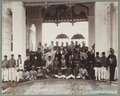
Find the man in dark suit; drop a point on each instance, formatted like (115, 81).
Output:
(27, 64)
(72, 47)
(111, 63)
(32, 57)
(39, 57)
(58, 54)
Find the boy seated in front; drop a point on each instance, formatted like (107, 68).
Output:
(40, 73)
(49, 67)
(82, 73)
(60, 74)
(33, 73)
(25, 75)
(70, 69)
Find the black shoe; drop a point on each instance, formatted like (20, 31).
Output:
(113, 80)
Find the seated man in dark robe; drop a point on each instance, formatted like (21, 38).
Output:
(27, 64)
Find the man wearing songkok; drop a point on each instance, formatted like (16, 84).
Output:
(20, 68)
(112, 63)
(103, 66)
(97, 67)
(5, 69)
(12, 64)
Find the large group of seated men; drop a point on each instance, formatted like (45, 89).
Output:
(70, 61)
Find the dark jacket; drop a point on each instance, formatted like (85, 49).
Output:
(39, 55)
(12, 63)
(97, 62)
(59, 55)
(104, 61)
(113, 62)
(28, 65)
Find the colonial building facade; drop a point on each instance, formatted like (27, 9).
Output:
(22, 19)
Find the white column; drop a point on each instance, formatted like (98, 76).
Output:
(115, 29)
(91, 31)
(108, 28)
(19, 29)
(100, 27)
(6, 29)
(112, 26)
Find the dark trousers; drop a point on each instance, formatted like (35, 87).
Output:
(112, 72)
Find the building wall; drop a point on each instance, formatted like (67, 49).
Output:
(6, 29)
(106, 27)
(102, 28)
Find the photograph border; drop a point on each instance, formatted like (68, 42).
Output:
(63, 0)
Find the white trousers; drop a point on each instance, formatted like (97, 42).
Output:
(116, 73)
(97, 73)
(5, 75)
(62, 76)
(18, 75)
(80, 76)
(12, 74)
(70, 76)
(103, 73)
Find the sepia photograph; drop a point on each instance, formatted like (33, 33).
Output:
(59, 47)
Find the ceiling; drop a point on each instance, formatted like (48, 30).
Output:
(58, 11)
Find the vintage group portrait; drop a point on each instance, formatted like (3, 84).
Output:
(59, 47)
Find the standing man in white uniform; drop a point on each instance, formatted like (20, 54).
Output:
(5, 69)
(20, 68)
(12, 63)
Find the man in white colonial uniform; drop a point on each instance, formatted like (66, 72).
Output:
(20, 68)
(12, 64)
(5, 69)
(103, 66)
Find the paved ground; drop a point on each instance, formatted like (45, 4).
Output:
(60, 86)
